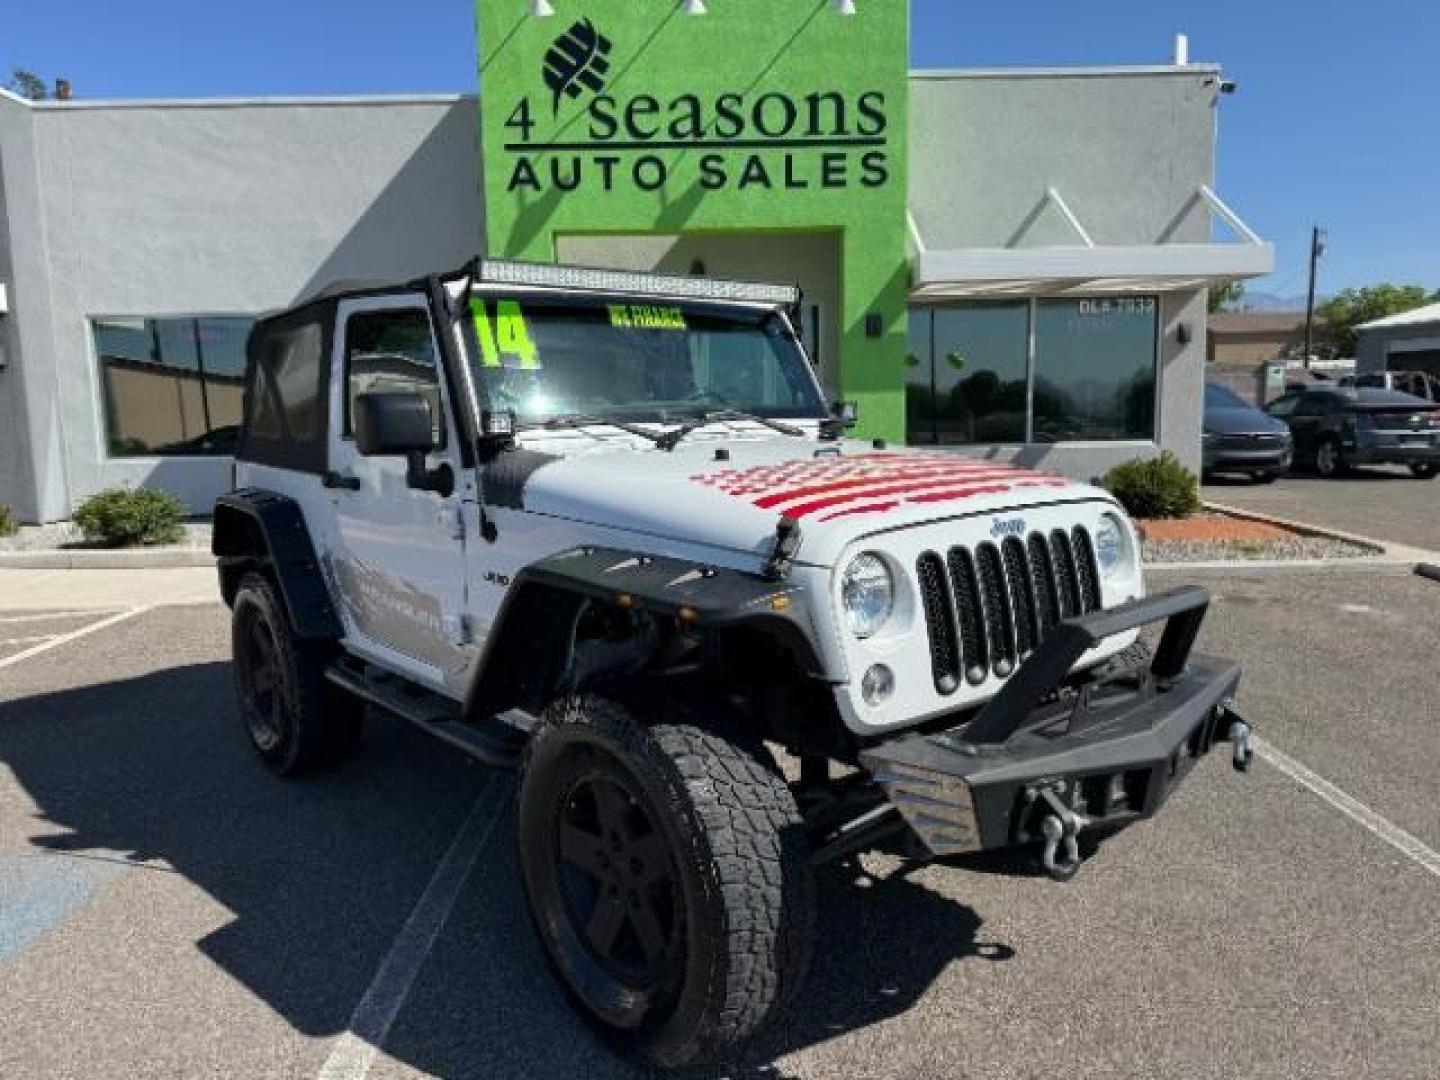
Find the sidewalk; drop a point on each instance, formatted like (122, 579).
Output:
(106, 590)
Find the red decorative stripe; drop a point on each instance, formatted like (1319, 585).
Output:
(806, 508)
(948, 494)
(865, 508)
(964, 472)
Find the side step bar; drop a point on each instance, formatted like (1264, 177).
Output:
(434, 714)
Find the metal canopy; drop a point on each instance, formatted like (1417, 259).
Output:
(1087, 268)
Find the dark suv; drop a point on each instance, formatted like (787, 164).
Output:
(1337, 428)
(1240, 438)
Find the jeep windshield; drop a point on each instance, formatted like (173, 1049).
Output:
(601, 361)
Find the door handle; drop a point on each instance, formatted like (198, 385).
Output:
(333, 479)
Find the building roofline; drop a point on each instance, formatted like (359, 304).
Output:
(322, 101)
(354, 100)
(1064, 72)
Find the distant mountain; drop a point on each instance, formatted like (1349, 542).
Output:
(1259, 301)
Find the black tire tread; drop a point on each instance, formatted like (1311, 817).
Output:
(327, 721)
(747, 838)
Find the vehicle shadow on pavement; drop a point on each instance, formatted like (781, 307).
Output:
(320, 874)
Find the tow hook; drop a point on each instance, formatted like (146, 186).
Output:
(1060, 828)
(1239, 736)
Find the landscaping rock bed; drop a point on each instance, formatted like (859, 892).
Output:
(1211, 536)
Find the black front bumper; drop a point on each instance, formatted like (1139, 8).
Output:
(1095, 754)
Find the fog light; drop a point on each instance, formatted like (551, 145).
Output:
(877, 684)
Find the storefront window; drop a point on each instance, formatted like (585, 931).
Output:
(1091, 375)
(172, 387)
(919, 380)
(980, 372)
(1095, 369)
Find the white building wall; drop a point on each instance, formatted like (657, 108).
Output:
(164, 209)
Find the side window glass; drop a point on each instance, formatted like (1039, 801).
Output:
(392, 351)
(1283, 406)
(287, 387)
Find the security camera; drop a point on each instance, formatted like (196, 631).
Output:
(1228, 86)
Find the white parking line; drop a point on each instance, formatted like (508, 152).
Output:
(1357, 811)
(45, 616)
(26, 640)
(354, 1052)
(65, 639)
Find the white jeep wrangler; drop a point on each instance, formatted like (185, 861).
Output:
(602, 526)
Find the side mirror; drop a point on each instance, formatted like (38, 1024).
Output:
(400, 424)
(393, 424)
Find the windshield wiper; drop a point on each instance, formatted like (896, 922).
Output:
(671, 438)
(570, 421)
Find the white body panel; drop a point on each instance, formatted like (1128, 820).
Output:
(419, 589)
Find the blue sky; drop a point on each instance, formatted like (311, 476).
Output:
(1334, 121)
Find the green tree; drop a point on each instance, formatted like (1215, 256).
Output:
(1226, 297)
(1348, 309)
(26, 84)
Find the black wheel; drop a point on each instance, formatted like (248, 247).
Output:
(1265, 477)
(295, 717)
(666, 872)
(1330, 459)
(1424, 470)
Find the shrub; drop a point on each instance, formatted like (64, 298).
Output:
(121, 517)
(8, 525)
(1158, 488)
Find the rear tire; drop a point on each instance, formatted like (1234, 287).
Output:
(1425, 471)
(666, 872)
(1330, 459)
(295, 717)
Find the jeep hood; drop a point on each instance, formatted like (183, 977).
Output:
(838, 492)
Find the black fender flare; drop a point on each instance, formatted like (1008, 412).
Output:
(255, 529)
(534, 628)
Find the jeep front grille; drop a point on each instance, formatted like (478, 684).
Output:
(986, 610)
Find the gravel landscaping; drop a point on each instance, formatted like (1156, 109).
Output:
(1293, 547)
(1212, 536)
(66, 535)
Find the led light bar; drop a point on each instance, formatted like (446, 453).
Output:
(626, 282)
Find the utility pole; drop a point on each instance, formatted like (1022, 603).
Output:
(1317, 248)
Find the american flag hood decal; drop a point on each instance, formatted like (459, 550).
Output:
(872, 484)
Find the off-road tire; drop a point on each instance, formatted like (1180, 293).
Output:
(740, 940)
(314, 723)
(1424, 470)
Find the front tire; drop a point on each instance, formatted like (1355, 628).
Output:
(1424, 470)
(666, 873)
(296, 719)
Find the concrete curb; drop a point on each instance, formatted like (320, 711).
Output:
(1305, 528)
(1389, 558)
(106, 559)
(1358, 565)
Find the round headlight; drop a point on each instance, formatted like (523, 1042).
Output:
(867, 594)
(1112, 547)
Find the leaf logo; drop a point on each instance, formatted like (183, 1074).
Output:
(578, 61)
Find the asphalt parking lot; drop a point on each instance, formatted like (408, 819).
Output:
(167, 908)
(1383, 502)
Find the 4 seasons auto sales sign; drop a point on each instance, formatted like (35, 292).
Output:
(760, 113)
(632, 117)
